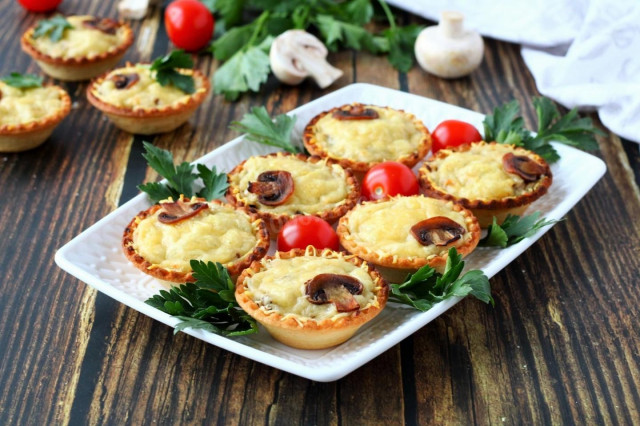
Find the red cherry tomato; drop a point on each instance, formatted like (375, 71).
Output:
(39, 5)
(389, 179)
(452, 133)
(189, 24)
(303, 231)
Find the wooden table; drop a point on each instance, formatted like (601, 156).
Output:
(561, 345)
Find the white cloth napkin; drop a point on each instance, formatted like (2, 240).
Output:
(581, 53)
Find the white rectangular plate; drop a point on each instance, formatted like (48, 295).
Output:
(96, 257)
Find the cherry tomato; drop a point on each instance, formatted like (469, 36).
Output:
(39, 5)
(189, 24)
(389, 179)
(452, 133)
(303, 231)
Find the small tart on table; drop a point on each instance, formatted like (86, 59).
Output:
(360, 136)
(28, 116)
(311, 299)
(280, 186)
(136, 102)
(407, 233)
(162, 240)
(490, 179)
(87, 47)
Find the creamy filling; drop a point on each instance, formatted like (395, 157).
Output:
(22, 106)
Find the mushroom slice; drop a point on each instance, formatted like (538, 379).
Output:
(523, 166)
(106, 25)
(437, 230)
(179, 211)
(274, 187)
(336, 289)
(124, 81)
(356, 112)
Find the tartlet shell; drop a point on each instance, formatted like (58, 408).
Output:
(274, 221)
(258, 252)
(311, 143)
(309, 333)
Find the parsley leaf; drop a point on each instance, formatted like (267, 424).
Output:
(426, 286)
(514, 229)
(260, 128)
(167, 73)
(215, 184)
(207, 304)
(22, 81)
(401, 41)
(54, 28)
(338, 33)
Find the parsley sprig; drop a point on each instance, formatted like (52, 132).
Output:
(22, 81)
(208, 304)
(181, 178)
(167, 73)
(260, 128)
(506, 126)
(514, 229)
(54, 28)
(427, 287)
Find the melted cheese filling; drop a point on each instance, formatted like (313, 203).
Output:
(317, 186)
(217, 234)
(390, 137)
(79, 41)
(280, 286)
(22, 106)
(477, 174)
(145, 93)
(386, 227)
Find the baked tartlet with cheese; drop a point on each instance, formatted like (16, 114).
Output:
(133, 99)
(280, 186)
(490, 179)
(28, 116)
(407, 233)
(311, 299)
(360, 136)
(162, 240)
(90, 47)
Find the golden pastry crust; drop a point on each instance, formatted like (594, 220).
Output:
(23, 136)
(77, 68)
(393, 246)
(275, 218)
(308, 333)
(410, 156)
(517, 195)
(149, 120)
(176, 275)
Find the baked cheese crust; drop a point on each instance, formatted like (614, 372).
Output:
(22, 106)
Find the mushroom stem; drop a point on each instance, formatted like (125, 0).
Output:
(320, 70)
(452, 24)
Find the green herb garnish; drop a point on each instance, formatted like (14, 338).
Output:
(22, 81)
(260, 128)
(54, 28)
(181, 178)
(505, 126)
(427, 287)
(167, 73)
(208, 304)
(514, 229)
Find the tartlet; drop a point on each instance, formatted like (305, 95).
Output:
(91, 47)
(206, 231)
(360, 136)
(311, 299)
(29, 116)
(490, 179)
(136, 102)
(316, 187)
(407, 233)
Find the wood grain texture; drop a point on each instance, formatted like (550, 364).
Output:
(559, 347)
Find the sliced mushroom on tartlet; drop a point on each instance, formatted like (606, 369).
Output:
(360, 136)
(162, 240)
(311, 299)
(490, 179)
(76, 48)
(280, 186)
(135, 101)
(29, 115)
